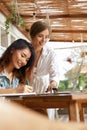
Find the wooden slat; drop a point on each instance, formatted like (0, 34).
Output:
(60, 11)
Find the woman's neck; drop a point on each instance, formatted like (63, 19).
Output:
(37, 48)
(9, 69)
(38, 54)
(9, 72)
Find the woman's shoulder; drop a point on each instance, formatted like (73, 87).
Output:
(49, 49)
(2, 73)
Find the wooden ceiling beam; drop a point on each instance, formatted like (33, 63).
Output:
(69, 31)
(4, 9)
(55, 15)
(67, 40)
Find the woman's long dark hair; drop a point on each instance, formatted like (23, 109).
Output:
(6, 57)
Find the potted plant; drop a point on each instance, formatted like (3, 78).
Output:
(14, 18)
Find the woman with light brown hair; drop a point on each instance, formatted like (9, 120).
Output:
(46, 73)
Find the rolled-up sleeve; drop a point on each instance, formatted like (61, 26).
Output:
(54, 73)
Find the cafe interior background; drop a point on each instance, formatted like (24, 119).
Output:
(68, 22)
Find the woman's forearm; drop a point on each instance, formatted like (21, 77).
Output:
(20, 89)
(7, 90)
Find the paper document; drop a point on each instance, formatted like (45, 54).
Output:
(16, 94)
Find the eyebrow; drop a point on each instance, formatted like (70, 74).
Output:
(26, 55)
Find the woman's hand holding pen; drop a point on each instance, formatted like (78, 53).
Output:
(24, 89)
(28, 89)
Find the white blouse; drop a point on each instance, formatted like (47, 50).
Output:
(47, 70)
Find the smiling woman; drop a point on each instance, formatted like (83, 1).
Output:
(15, 61)
(46, 70)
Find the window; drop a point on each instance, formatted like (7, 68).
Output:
(4, 38)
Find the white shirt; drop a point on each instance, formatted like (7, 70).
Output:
(47, 70)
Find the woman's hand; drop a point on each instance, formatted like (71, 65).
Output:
(49, 89)
(20, 89)
(28, 89)
(24, 89)
(53, 84)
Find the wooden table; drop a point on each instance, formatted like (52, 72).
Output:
(81, 100)
(75, 102)
(51, 101)
(14, 117)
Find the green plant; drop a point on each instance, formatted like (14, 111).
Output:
(82, 80)
(14, 18)
(64, 84)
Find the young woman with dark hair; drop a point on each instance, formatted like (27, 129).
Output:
(17, 59)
